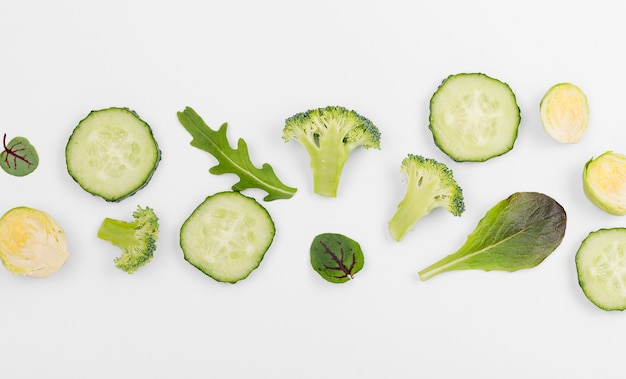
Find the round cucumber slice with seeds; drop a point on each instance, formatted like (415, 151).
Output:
(474, 117)
(601, 267)
(112, 153)
(226, 236)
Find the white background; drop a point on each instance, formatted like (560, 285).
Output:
(253, 64)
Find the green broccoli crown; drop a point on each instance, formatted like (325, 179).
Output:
(136, 238)
(430, 185)
(329, 135)
(446, 192)
(342, 125)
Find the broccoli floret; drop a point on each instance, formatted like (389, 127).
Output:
(137, 238)
(430, 184)
(329, 135)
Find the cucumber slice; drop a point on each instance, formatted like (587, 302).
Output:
(226, 236)
(601, 267)
(112, 153)
(474, 117)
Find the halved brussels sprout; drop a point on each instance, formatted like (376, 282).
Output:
(604, 182)
(565, 113)
(31, 242)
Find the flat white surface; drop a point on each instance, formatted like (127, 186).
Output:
(253, 64)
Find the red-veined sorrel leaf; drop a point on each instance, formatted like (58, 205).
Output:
(336, 257)
(19, 157)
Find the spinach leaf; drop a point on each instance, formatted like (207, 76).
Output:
(233, 161)
(336, 257)
(19, 157)
(517, 233)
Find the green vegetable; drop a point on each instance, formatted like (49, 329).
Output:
(19, 157)
(604, 182)
(136, 238)
(517, 233)
(601, 267)
(430, 185)
(335, 257)
(226, 236)
(565, 113)
(32, 243)
(112, 153)
(329, 135)
(234, 161)
(474, 117)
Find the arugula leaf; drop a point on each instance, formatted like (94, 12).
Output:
(233, 161)
(517, 233)
(19, 157)
(336, 257)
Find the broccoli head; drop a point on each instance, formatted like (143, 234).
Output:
(430, 185)
(329, 135)
(136, 238)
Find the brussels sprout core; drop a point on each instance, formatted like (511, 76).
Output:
(31, 242)
(604, 182)
(565, 113)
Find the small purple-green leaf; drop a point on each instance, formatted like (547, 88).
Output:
(19, 157)
(336, 257)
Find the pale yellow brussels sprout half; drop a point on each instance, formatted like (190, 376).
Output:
(565, 113)
(31, 242)
(604, 182)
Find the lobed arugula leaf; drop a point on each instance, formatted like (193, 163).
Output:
(336, 257)
(518, 232)
(233, 161)
(19, 157)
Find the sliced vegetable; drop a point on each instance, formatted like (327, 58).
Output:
(335, 257)
(601, 267)
(112, 153)
(31, 242)
(604, 182)
(430, 185)
(233, 161)
(565, 113)
(474, 117)
(517, 233)
(19, 157)
(329, 135)
(137, 238)
(226, 236)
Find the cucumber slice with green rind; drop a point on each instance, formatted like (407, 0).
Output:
(601, 267)
(226, 236)
(474, 117)
(112, 153)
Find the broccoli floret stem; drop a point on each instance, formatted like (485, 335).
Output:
(328, 156)
(326, 172)
(119, 233)
(417, 202)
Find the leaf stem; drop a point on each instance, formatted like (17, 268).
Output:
(432, 270)
(340, 265)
